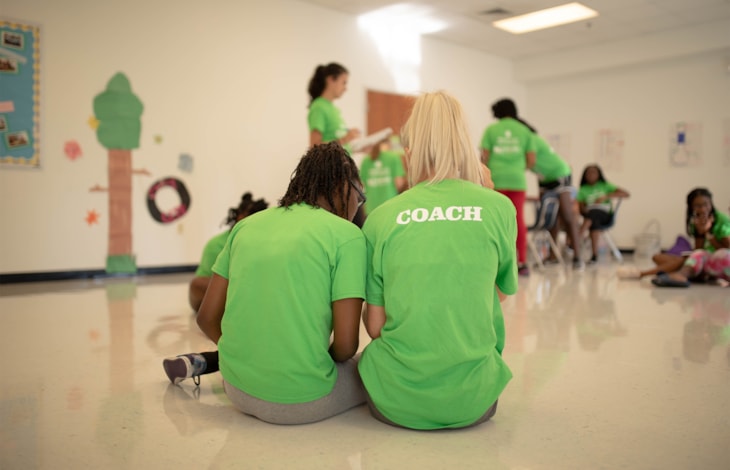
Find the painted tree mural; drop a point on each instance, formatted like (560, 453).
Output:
(118, 111)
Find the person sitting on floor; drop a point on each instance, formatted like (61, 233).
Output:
(710, 261)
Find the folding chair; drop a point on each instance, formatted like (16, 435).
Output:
(606, 236)
(547, 209)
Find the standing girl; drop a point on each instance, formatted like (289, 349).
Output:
(508, 148)
(328, 83)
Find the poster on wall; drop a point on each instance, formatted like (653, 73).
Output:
(726, 142)
(560, 144)
(685, 144)
(610, 149)
(19, 94)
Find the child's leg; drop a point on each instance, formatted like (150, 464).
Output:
(595, 240)
(718, 264)
(190, 365)
(665, 262)
(518, 200)
(692, 267)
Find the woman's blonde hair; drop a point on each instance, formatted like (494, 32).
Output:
(437, 138)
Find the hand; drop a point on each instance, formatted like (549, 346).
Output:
(351, 135)
(703, 224)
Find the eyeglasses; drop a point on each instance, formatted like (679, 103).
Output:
(360, 195)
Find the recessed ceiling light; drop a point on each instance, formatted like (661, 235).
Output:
(548, 18)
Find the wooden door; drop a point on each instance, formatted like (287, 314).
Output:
(387, 110)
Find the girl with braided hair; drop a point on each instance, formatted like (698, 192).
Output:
(203, 273)
(286, 280)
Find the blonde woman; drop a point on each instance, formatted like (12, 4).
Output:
(441, 256)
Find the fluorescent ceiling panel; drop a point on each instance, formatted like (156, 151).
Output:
(548, 18)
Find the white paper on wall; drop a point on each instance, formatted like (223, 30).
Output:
(610, 149)
(685, 144)
(561, 145)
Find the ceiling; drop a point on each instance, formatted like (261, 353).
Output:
(470, 26)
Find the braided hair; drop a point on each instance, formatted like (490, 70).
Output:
(323, 172)
(247, 207)
(318, 82)
(695, 193)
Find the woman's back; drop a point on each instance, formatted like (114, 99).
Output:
(439, 249)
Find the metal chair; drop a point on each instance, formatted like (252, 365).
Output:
(608, 240)
(547, 209)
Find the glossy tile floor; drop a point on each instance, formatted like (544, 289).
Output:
(607, 374)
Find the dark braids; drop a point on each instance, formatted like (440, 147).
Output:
(323, 171)
(247, 207)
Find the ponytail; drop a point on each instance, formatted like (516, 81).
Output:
(318, 82)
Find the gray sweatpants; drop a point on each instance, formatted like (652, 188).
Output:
(347, 393)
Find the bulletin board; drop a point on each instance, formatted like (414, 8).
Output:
(19, 94)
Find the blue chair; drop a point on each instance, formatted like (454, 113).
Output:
(547, 210)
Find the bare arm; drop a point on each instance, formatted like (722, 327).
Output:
(620, 193)
(211, 310)
(485, 156)
(346, 328)
(197, 290)
(530, 160)
(487, 177)
(315, 138)
(502, 296)
(400, 183)
(374, 319)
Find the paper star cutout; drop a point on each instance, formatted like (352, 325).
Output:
(92, 217)
(93, 122)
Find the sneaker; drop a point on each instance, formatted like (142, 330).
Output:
(184, 367)
(523, 270)
(578, 265)
(593, 260)
(628, 272)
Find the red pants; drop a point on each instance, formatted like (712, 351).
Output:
(518, 199)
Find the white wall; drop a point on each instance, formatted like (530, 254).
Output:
(222, 80)
(643, 100)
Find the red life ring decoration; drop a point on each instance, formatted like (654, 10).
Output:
(175, 213)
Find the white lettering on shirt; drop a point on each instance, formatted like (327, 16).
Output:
(451, 214)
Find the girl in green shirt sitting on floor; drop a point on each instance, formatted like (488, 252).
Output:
(440, 257)
(287, 279)
(199, 284)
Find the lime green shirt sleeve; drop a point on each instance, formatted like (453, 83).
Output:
(210, 253)
(317, 119)
(348, 273)
(223, 261)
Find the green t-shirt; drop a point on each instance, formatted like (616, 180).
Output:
(285, 267)
(549, 166)
(588, 193)
(508, 141)
(210, 252)
(435, 254)
(378, 178)
(720, 230)
(325, 117)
